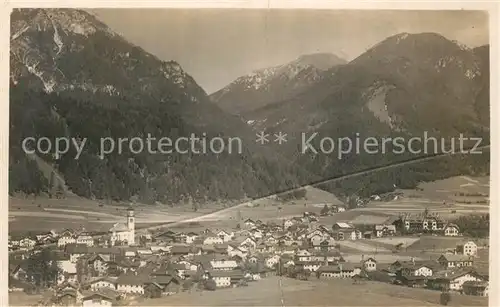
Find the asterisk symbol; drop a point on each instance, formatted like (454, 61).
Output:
(280, 137)
(262, 138)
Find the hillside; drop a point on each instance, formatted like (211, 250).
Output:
(267, 85)
(405, 86)
(71, 76)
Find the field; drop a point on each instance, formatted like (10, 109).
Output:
(270, 292)
(449, 198)
(43, 214)
(460, 195)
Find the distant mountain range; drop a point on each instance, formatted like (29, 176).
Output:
(73, 76)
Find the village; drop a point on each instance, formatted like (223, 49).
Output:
(120, 267)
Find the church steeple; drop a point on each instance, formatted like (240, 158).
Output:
(130, 219)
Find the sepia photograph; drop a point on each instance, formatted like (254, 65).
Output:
(248, 157)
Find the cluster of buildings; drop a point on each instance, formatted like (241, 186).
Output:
(425, 223)
(114, 268)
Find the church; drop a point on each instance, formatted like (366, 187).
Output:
(122, 233)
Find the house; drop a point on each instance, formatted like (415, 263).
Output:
(453, 279)
(223, 264)
(370, 264)
(413, 268)
(102, 298)
(131, 283)
(84, 239)
(99, 263)
(224, 279)
(312, 266)
(344, 270)
(256, 233)
(271, 261)
(27, 243)
(225, 235)
(102, 283)
(65, 240)
(347, 234)
(455, 261)
(191, 237)
(249, 223)
(479, 288)
(451, 230)
(303, 255)
(234, 250)
(209, 239)
(288, 223)
(385, 230)
(325, 245)
(469, 248)
(180, 250)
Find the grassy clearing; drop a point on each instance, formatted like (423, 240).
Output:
(268, 292)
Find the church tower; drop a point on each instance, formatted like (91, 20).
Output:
(131, 225)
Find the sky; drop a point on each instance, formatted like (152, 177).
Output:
(216, 46)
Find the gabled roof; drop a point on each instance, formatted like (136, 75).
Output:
(130, 279)
(456, 257)
(119, 227)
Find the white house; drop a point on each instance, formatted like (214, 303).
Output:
(212, 239)
(451, 230)
(191, 237)
(370, 264)
(423, 271)
(312, 266)
(65, 240)
(225, 235)
(102, 283)
(249, 223)
(97, 300)
(303, 255)
(84, 239)
(224, 265)
(222, 281)
(130, 284)
(456, 282)
(26, 243)
(470, 248)
(272, 261)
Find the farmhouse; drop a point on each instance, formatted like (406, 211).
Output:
(385, 230)
(451, 230)
(453, 280)
(479, 288)
(102, 298)
(84, 239)
(65, 240)
(469, 248)
(223, 264)
(102, 283)
(131, 284)
(370, 264)
(225, 279)
(345, 270)
(455, 261)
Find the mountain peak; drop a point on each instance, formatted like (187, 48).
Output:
(276, 83)
(323, 61)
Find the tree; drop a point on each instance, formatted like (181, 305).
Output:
(210, 285)
(444, 298)
(325, 210)
(42, 269)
